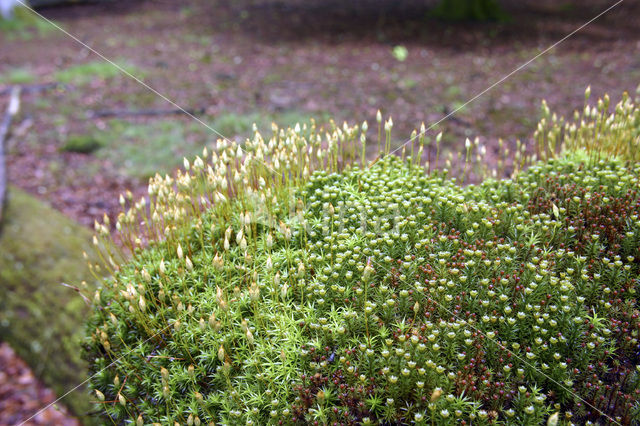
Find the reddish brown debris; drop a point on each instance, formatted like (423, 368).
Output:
(22, 395)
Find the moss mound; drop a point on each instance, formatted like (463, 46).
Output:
(390, 297)
(41, 319)
(253, 290)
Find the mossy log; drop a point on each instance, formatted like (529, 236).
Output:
(39, 317)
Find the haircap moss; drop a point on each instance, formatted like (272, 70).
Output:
(287, 281)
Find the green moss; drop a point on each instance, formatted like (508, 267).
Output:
(17, 76)
(389, 282)
(39, 317)
(24, 25)
(85, 73)
(142, 150)
(83, 144)
(375, 294)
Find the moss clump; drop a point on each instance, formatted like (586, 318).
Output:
(596, 129)
(41, 319)
(83, 144)
(382, 294)
(17, 76)
(85, 73)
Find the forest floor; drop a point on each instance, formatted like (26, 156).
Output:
(22, 395)
(245, 61)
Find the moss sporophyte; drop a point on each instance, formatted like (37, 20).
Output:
(289, 281)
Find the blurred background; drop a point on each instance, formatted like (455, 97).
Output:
(85, 132)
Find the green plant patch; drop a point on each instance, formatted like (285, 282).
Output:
(17, 76)
(95, 70)
(400, 53)
(372, 293)
(142, 150)
(25, 25)
(233, 125)
(83, 144)
(444, 297)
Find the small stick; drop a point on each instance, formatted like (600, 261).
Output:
(12, 110)
(77, 290)
(141, 112)
(32, 88)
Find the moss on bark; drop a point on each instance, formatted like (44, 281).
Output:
(39, 317)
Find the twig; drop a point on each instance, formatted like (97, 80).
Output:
(33, 88)
(19, 130)
(447, 112)
(141, 112)
(77, 290)
(12, 110)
